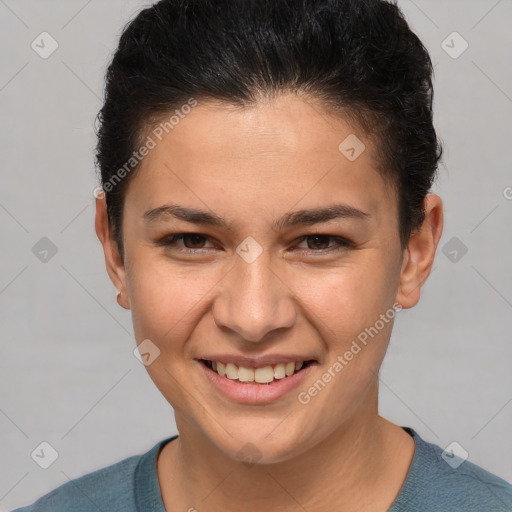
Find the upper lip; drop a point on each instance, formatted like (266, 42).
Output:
(257, 362)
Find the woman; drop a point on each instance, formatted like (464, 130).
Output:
(266, 168)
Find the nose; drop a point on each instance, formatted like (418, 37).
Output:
(254, 301)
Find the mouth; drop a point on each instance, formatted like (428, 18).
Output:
(264, 375)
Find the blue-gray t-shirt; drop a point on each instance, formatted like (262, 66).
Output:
(431, 485)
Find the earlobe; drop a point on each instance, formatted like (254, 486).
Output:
(420, 252)
(113, 260)
(121, 300)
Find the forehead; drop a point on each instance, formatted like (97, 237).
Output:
(267, 157)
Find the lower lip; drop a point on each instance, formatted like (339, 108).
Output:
(249, 393)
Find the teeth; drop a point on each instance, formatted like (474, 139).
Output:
(245, 374)
(262, 375)
(279, 372)
(231, 371)
(289, 369)
(221, 369)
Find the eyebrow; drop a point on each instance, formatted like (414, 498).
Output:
(290, 219)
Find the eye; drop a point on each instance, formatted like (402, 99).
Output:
(195, 242)
(320, 243)
(192, 241)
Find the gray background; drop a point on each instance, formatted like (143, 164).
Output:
(68, 374)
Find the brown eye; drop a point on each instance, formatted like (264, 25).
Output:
(193, 241)
(320, 244)
(185, 242)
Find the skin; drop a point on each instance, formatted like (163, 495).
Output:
(251, 166)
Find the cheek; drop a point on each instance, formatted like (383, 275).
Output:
(163, 298)
(170, 302)
(353, 310)
(348, 299)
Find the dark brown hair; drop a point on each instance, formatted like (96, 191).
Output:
(359, 56)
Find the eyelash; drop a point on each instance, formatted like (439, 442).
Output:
(171, 240)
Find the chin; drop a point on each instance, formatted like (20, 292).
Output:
(261, 443)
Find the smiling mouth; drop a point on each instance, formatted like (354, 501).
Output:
(263, 375)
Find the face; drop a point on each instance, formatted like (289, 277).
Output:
(251, 239)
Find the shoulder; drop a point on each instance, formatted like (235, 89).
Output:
(440, 480)
(111, 488)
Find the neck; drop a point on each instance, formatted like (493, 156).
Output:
(359, 467)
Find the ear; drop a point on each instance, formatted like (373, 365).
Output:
(419, 254)
(113, 260)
